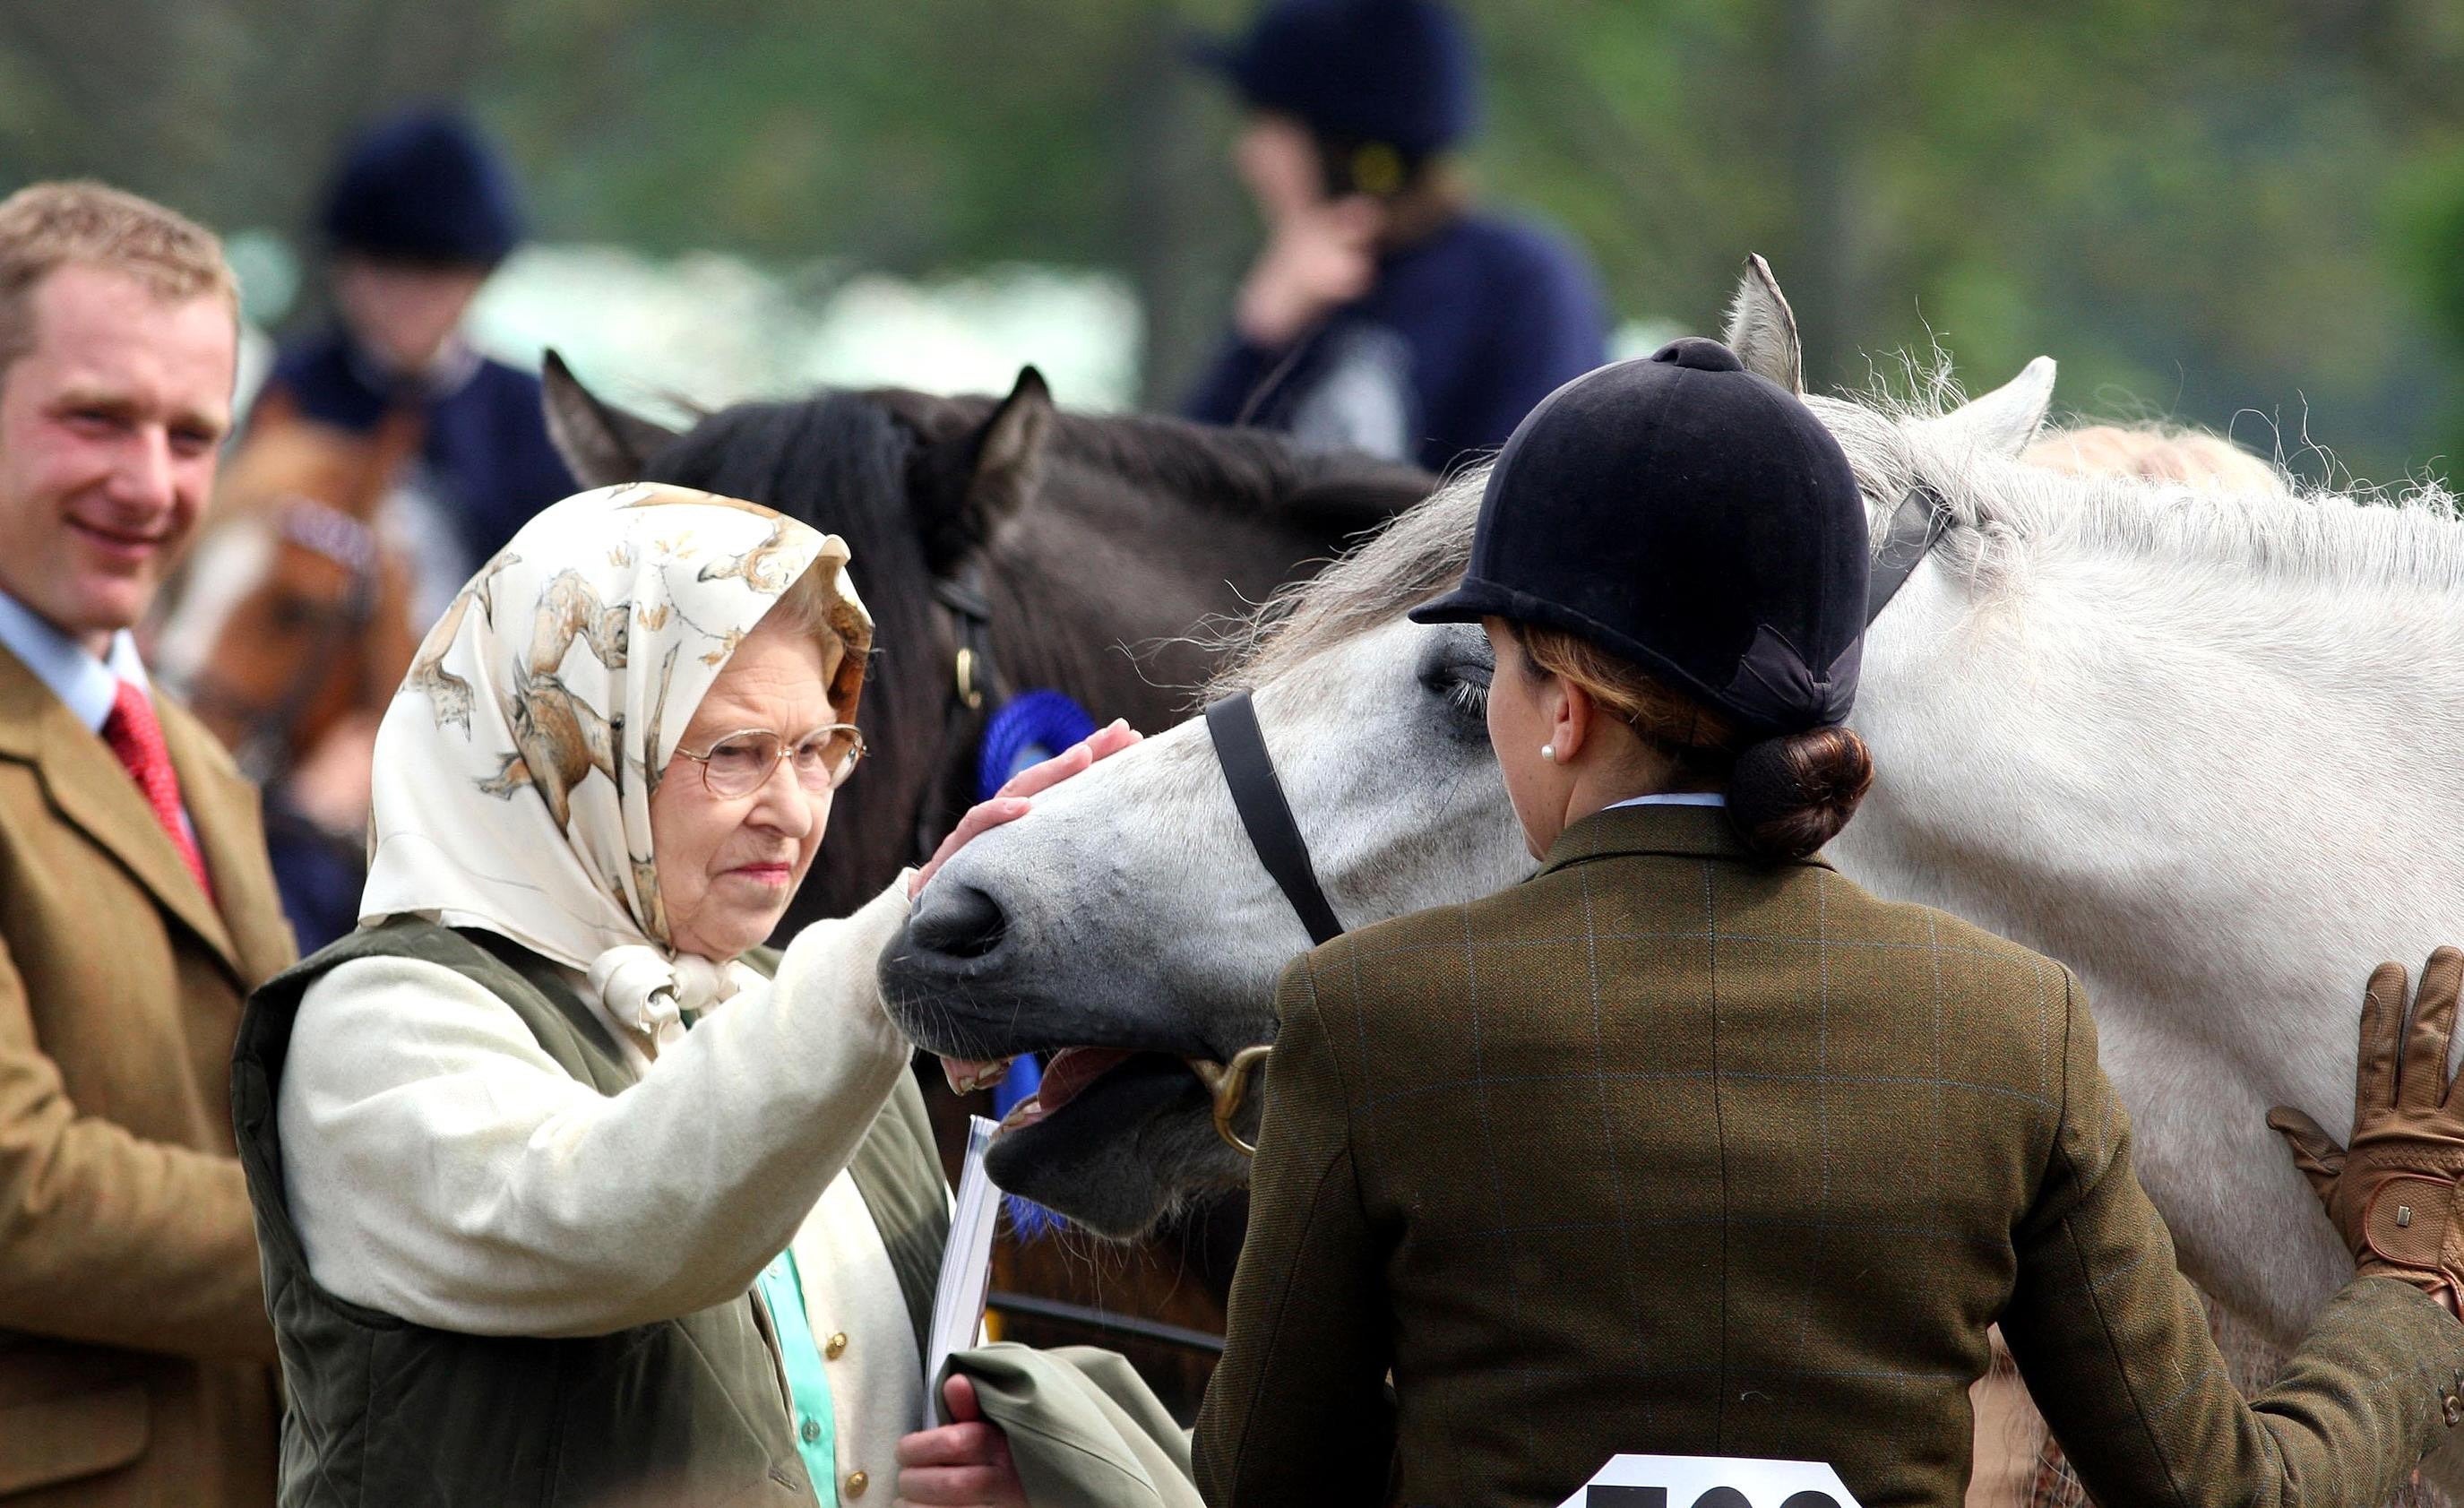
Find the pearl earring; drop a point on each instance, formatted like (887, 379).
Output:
(1549, 752)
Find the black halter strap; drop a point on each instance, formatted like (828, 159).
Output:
(975, 692)
(1258, 796)
(1917, 525)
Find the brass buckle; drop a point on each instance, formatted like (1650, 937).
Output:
(1229, 1084)
(969, 692)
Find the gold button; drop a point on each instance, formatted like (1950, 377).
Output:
(835, 1347)
(2454, 1411)
(856, 1483)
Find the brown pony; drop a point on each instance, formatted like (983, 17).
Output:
(293, 612)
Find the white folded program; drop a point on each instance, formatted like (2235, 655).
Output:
(1711, 1481)
(966, 1265)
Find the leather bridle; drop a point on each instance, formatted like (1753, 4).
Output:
(1915, 527)
(1266, 814)
(975, 692)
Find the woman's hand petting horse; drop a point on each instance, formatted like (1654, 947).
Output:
(965, 1463)
(1012, 801)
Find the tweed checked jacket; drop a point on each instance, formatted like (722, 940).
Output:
(1665, 1150)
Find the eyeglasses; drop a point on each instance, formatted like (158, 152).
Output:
(737, 764)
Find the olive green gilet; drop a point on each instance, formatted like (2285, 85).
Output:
(693, 1409)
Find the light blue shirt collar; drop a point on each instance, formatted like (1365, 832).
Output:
(88, 685)
(1674, 798)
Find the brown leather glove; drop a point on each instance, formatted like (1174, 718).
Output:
(2392, 1193)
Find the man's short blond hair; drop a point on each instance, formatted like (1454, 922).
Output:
(46, 226)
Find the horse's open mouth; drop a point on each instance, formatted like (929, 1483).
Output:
(1066, 1074)
(1107, 1138)
(1073, 1070)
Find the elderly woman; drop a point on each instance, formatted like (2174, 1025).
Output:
(566, 1191)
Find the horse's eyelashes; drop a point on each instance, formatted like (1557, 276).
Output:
(1468, 698)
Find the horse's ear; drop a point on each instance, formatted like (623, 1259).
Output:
(1009, 451)
(2005, 420)
(966, 486)
(601, 444)
(1762, 328)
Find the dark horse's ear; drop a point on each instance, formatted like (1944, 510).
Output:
(601, 444)
(964, 487)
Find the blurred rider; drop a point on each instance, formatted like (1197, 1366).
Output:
(1385, 313)
(420, 212)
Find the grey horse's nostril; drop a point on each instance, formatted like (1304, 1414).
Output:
(957, 922)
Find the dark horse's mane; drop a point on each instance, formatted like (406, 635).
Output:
(1249, 472)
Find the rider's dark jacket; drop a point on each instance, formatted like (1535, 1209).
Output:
(1461, 332)
(484, 447)
(1667, 1151)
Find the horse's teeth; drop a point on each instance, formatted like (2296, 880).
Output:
(967, 1075)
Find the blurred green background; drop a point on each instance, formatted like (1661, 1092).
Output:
(2250, 215)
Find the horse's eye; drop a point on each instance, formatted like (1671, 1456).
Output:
(291, 615)
(1455, 667)
(1469, 696)
(1462, 686)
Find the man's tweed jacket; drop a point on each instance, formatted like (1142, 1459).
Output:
(135, 1359)
(1665, 1150)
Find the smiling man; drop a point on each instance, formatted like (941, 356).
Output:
(135, 906)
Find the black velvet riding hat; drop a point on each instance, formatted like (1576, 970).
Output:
(1690, 516)
(1400, 72)
(424, 186)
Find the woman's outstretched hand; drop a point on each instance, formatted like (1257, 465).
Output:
(2392, 1193)
(963, 1464)
(1011, 802)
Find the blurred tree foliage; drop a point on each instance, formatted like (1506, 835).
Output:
(2240, 213)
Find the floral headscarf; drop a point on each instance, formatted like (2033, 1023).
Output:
(514, 767)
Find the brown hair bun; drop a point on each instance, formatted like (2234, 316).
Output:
(1786, 795)
(1791, 795)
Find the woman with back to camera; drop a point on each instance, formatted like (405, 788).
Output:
(1688, 1145)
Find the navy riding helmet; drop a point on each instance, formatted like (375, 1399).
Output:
(423, 186)
(1395, 72)
(1690, 516)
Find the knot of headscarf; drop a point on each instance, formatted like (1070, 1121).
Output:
(649, 992)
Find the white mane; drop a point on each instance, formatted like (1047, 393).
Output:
(2006, 513)
(1418, 554)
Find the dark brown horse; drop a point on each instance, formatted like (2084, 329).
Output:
(1005, 545)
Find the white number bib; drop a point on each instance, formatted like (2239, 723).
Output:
(1711, 1481)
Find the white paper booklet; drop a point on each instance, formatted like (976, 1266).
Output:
(966, 1265)
(1711, 1481)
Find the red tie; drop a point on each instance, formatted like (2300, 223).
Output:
(137, 738)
